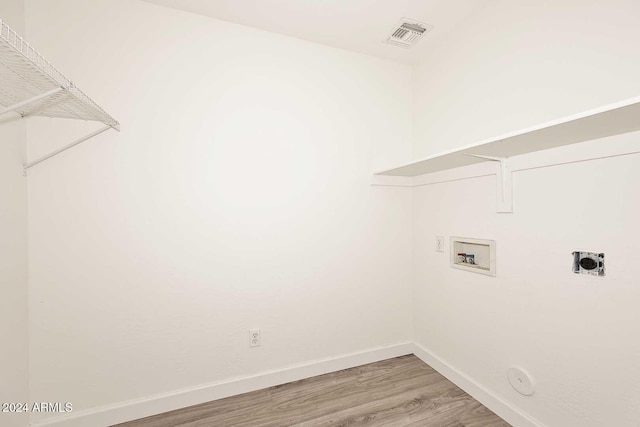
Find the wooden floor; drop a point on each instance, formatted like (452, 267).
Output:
(397, 392)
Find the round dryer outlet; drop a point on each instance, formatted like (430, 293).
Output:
(521, 381)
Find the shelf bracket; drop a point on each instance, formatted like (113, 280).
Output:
(504, 180)
(30, 100)
(65, 148)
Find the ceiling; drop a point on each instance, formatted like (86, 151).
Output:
(356, 25)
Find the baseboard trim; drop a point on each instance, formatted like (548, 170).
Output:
(503, 409)
(159, 403)
(152, 405)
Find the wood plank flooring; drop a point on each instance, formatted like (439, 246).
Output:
(403, 391)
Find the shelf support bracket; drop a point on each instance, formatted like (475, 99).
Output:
(504, 180)
(65, 148)
(30, 100)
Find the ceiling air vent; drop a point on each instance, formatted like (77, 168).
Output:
(407, 33)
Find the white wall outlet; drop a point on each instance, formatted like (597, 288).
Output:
(254, 338)
(440, 243)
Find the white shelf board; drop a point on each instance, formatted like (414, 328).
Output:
(609, 120)
(25, 75)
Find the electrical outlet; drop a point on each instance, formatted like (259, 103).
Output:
(588, 263)
(440, 243)
(254, 338)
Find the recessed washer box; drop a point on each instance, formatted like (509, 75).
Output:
(475, 255)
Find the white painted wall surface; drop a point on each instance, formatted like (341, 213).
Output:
(236, 196)
(516, 65)
(14, 350)
(520, 63)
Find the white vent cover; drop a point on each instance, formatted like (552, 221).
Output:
(407, 33)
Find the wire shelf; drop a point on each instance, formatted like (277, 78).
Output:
(26, 75)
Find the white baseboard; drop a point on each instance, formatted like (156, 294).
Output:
(503, 409)
(156, 404)
(152, 405)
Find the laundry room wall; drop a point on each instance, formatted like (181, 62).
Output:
(237, 196)
(14, 356)
(515, 65)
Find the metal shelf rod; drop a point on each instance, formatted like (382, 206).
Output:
(65, 148)
(30, 100)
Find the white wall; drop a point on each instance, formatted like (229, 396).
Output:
(237, 196)
(515, 65)
(14, 356)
